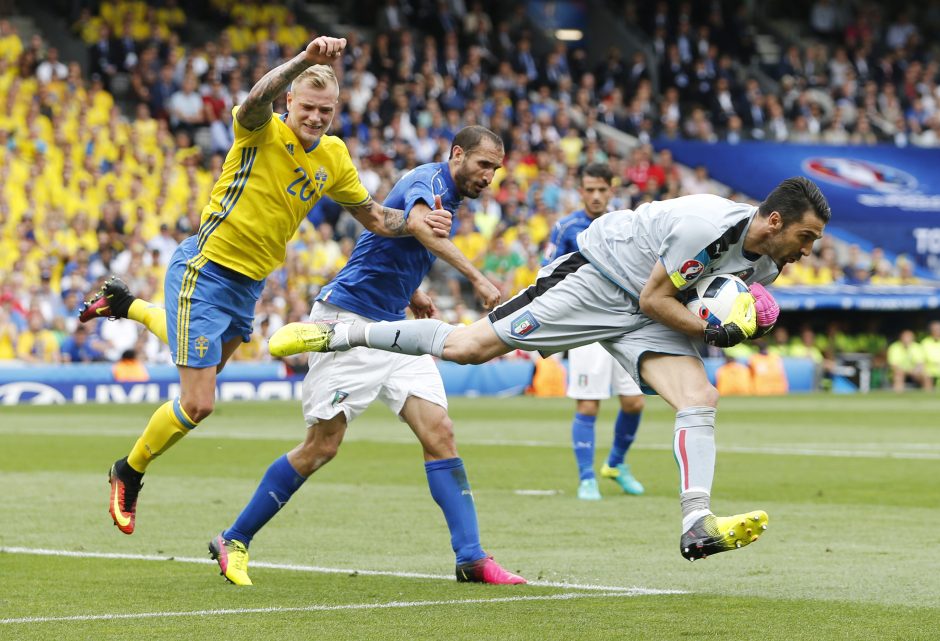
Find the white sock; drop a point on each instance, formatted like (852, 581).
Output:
(416, 337)
(694, 448)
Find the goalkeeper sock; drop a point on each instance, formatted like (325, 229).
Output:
(277, 485)
(167, 425)
(450, 489)
(153, 317)
(624, 433)
(694, 448)
(582, 441)
(414, 337)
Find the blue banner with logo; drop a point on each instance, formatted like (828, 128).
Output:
(95, 383)
(886, 196)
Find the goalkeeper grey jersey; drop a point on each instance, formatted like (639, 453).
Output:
(693, 236)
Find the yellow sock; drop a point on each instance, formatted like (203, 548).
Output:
(167, 425)
(153, 317)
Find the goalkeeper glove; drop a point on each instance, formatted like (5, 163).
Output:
(767, 310)
(740, 324)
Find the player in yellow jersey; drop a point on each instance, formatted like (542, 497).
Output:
(277, 168)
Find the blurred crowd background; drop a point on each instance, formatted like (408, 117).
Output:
(117, 115)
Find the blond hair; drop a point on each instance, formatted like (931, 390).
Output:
(318, 76)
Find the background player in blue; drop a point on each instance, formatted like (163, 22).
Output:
(592, 371)
(380, 280)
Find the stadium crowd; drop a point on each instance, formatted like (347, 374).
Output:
(107, 162)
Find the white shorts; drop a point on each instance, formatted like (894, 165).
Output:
(593, 372)
(349, 381)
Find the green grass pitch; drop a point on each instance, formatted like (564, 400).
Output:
(362, 552)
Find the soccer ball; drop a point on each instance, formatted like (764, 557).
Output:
(712, 297)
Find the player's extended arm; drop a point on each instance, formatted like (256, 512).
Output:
(257, 108)
(447, 251)
(386, 221)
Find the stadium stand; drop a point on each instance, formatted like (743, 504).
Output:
(111, 140)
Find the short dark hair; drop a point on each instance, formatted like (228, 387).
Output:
(598, 170)
(793, 197)
(469, 138)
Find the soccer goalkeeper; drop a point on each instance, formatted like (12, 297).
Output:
(620, 289)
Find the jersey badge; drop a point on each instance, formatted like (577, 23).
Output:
(290, 148)
(523, 325)
(320, 178)
(691, 269)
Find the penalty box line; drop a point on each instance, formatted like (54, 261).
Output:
(588, 587)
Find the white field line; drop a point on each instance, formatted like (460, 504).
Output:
(915, 451)
(629, 591)
(320, 608)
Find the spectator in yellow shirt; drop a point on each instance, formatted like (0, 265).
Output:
(526, 274)
(10, 44)
(37, 344)
(907, 362)
(931, 347)
(470, 242)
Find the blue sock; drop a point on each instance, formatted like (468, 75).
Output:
(276, 487)
(451, 491)
(582, 439)
(624, 433)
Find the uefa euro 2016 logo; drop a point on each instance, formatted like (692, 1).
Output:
(860, 174)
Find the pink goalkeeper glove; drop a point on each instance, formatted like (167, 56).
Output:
(766, 306)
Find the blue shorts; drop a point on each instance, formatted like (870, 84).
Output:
(206, 305)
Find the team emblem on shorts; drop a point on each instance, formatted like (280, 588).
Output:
(690, 269)
(524, 325)
(202, 345)
(338, 397)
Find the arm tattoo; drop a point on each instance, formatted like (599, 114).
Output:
(394, 220)
(257, 109)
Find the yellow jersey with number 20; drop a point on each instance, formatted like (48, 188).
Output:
(268, 184)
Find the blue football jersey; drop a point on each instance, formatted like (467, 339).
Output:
(564, 237)
(383, 273)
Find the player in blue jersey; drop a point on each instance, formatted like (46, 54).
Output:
(279, 166)
(380, 280)
(592, 371)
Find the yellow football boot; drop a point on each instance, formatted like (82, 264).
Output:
(232, 557)
(713, 534)
(296, 338)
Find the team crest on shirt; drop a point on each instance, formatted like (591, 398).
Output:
(320, 178)
(290, 148)
(202, 345)
(523, 325)
(338, 397)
